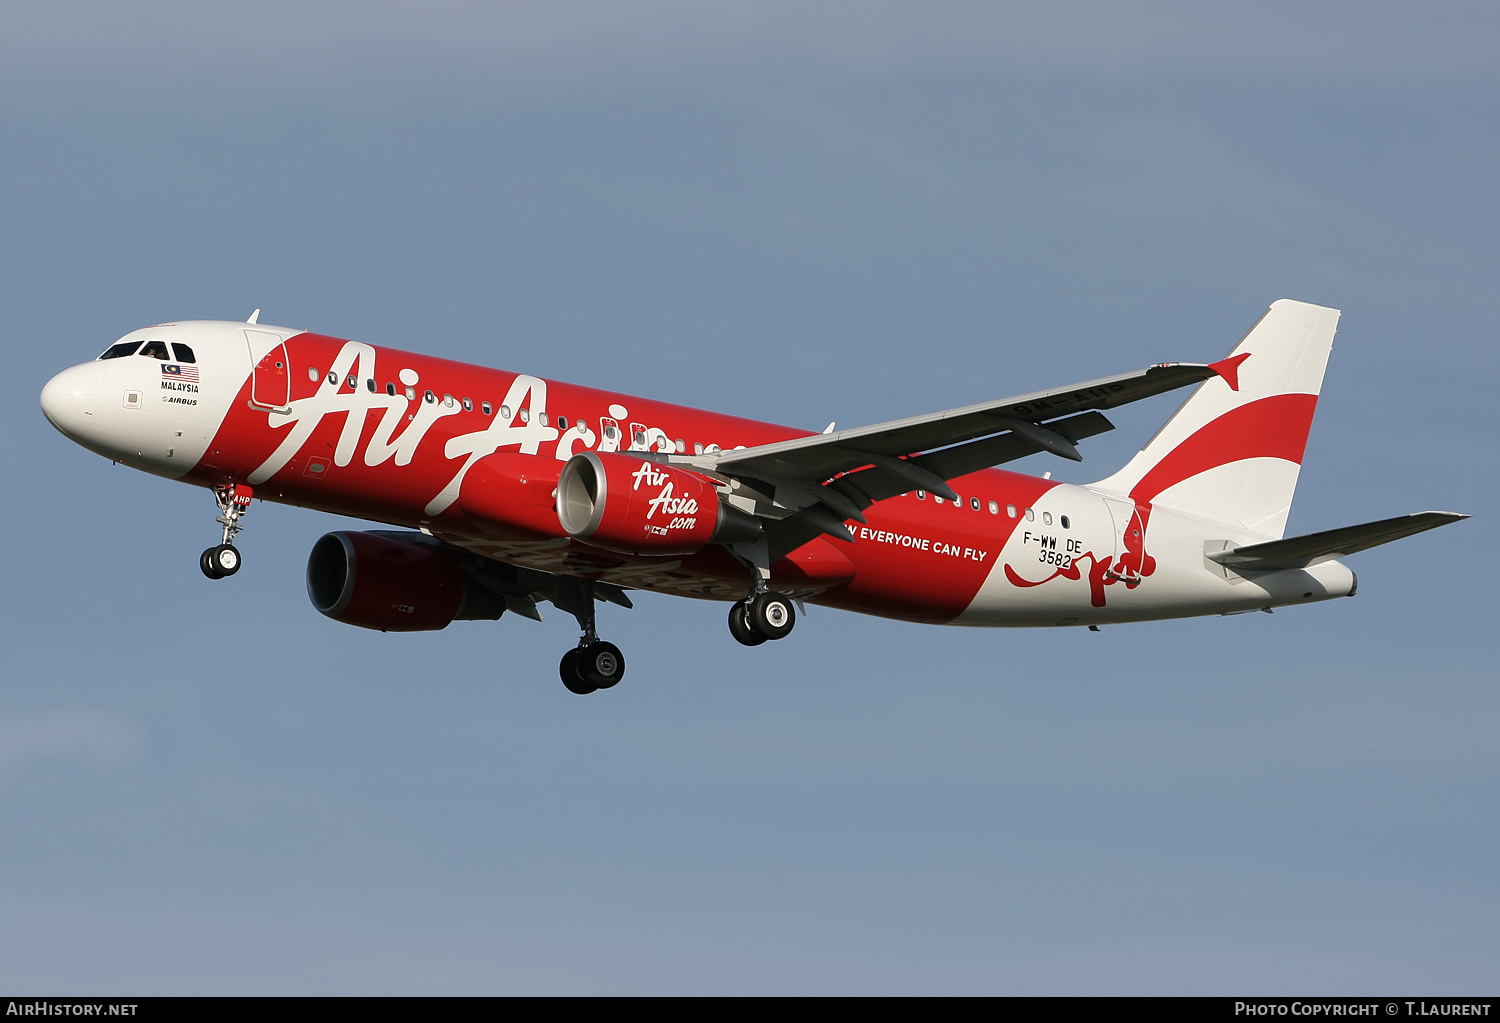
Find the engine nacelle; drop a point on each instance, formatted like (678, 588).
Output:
(633, 506)
(379, 582)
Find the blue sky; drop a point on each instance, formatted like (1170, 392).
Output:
(799, 212)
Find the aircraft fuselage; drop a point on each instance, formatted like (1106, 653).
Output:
(393, 436)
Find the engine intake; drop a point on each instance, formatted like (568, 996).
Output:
(379, 582)
(634, 506)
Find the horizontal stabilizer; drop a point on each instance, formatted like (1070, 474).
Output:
(1302, 551)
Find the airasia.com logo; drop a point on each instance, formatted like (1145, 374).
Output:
(663, 502)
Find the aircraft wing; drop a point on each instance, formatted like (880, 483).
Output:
(826, 479)
(1302, 551)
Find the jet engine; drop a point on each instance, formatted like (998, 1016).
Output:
(378, 582)
(633, 506)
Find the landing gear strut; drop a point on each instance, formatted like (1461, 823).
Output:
(593, 664)
(224, 560)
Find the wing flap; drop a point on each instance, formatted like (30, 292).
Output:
(962, 459)
(888, 476)
(822, 456)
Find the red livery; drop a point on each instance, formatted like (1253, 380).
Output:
(510, 490)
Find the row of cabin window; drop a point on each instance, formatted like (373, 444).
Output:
(994, 506)
(611, 432)
(151, 349)
(158, 350)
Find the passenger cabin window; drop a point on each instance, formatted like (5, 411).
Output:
(974, 503)
(183, 352)
(994, 507)
(390, 389)
(120, 350)
(484, 407)
(370, 385)
(562, 422)
(155, 349)
(1065, 523)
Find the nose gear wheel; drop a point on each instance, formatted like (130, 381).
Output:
(219, 562)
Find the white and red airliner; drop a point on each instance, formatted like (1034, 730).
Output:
(511, 489)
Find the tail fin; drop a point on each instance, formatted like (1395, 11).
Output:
(1233, 451)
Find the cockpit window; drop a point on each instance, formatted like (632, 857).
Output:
(155, 349)
(121, 350)
(183, 352)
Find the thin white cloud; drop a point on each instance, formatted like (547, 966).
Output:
(1366, 40)
(81, 734)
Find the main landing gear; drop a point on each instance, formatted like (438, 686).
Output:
(224, 560)
(761, 617)
(593, 664)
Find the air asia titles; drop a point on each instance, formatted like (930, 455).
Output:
(522, 423)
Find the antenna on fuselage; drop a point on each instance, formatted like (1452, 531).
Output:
(254, 317)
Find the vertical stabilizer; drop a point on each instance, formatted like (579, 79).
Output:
(1234, 449)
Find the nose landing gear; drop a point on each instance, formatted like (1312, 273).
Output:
(224, 560)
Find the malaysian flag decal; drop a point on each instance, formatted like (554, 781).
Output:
(187, 374)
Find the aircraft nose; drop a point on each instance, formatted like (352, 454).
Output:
(70, 400)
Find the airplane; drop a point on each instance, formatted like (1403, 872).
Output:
(510, 490)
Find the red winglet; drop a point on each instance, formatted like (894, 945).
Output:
(1229, 369)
